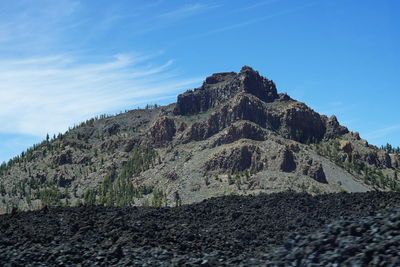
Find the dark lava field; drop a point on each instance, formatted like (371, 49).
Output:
(292, 229)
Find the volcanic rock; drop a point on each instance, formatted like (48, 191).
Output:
(286, 159)
(345, 146)
(233, 123)
(235, 159)
(317, 173)
(220, 87)
(395, 159)
(65, 157)
(333, 128)
(162, 131)
(239, 130)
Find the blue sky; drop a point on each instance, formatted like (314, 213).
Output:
(62, 62)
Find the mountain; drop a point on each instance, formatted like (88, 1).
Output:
(235, 134)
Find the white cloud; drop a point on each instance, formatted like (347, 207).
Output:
(49, 94)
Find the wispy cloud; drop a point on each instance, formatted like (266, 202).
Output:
(259, 4)
(186, 11)
(247, 22)
(41, 95)
(260, 19)
(376, 134)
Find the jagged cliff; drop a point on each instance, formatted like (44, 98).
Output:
(233, 135)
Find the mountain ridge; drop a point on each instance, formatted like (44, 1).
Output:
(235, 134)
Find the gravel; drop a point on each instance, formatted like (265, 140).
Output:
(277, 229)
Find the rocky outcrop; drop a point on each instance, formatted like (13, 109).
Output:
(345, 146)
(62, 181)
(65, 157)
(236, 159)
(249, 96)
(252, 83)
(220, 87)
(239, 130)
(162, 131)
(333, 128)
(395, 160)
(384, 160)
(241, 107)
(82, 160)
(314, 170)
(286, 160)
(300, 123)
(379, 160)
(292, 120)
(317, 173)
(113, 129)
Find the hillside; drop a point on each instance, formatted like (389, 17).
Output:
(233, 135)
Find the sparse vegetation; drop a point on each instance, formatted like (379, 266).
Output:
(49, 197)
(104, 160)
(391, 149)
(119, 190)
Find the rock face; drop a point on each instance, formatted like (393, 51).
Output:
(235, 159)
(240, 130)
(317, 173)
(346, 146)
(162, 131)
(300, 123)
(241, 107)
(65, 157)
(395, 159)
(220, 87)
(333, 128)
(287, 162)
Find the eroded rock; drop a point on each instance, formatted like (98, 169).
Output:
(235, 159)
(316, 172)
(395, 159)
(333, 128)
(65, 157)
(286, 160)
(162, 131)
(220, 87)
(345, 146)
(239, 130)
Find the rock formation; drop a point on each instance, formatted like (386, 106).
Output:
(220, 87)
(234, 124)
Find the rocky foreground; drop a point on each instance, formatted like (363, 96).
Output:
(277, 229)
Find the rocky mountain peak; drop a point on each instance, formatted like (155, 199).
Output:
(247, 139)
(253, 83)
(220, 87)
